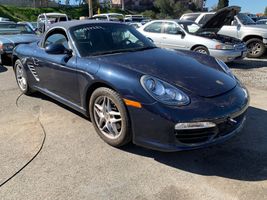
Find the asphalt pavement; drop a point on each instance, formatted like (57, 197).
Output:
(74, 163)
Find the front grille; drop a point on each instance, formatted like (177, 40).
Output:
(198, 136)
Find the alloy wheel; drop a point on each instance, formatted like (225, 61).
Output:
(21, 77)
(254, 48)
(107, 117)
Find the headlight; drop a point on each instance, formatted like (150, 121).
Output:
(164, 92)
(224, 47)
(225, 68)
(8, 47)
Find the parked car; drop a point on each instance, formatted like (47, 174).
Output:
(262, 21)
(187, 35)
(135, 24)
(132, 90)
(241, 26)
(32, 25)
(109, 17)
(45, 20)
(12, 34)
(134, 18)
(4, 19)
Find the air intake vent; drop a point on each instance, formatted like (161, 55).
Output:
(33, 71)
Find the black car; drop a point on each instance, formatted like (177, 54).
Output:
(133, 91)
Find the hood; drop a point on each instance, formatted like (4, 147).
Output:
(190, 71)
(19, 39)
(222, 17)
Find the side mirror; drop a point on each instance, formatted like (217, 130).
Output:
(179, 32)
(57, 49)
(150, 40)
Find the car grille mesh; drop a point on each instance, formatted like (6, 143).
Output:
(199, 136)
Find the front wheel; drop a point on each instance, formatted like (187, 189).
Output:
(255, 47)
(109, 117)
(21, 78)
(201, 49)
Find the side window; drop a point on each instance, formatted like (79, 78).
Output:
(56, 38)
(171, 28)
(154, 27)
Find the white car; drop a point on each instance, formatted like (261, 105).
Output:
(187, 35)
(45, 20)
(241, 27)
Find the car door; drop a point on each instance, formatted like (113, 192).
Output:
(173, 36)
(154, 31)
(231, 30)
(57, 73)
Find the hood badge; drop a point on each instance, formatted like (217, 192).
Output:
(219, 82)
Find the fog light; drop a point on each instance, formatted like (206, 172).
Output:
(194, 125)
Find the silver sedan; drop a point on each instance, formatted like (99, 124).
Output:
(187, 35)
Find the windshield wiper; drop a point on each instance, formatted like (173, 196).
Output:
(122, 51)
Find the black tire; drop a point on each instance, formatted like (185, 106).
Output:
(202, 49)
(256, 48)
(26, 88)
(117, 105)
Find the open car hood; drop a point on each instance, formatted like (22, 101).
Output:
(222, 17)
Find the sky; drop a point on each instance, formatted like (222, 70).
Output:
(251, 6)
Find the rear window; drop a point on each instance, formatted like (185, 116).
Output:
(191, 17)
(205, 18)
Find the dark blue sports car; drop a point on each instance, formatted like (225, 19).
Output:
(131, 90)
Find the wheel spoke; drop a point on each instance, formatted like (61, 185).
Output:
(114, 120)
(114, 129)
(114, 113)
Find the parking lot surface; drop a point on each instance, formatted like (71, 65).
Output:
(74, 163)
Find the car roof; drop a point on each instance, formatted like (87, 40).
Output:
(105, 14)
(198, 13)
(53, 14)
(69, 24)
(172, 20)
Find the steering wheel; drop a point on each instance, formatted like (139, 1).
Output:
(126, 42)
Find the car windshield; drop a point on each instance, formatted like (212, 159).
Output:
(12, 28)
(100, 39)
(245, 20)
(189, 27)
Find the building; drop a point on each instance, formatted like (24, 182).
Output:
(134, 4)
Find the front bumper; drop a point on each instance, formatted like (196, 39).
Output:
(228, 55)
(154, 125)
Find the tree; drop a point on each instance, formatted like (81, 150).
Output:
(265, 12)
(222, 4)
(169, 8)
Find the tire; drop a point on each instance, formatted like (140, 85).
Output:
(202, 49)
(113, 128)
(21, 78)
(255, 47)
